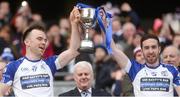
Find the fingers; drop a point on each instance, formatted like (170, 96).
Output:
(102, 14)
(75, 15)
(103, 17)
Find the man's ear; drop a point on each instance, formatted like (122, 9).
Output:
(26, 42)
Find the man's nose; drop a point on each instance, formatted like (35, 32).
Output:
(168, 58)
(151, 50)
(44, 41)
(83, 76)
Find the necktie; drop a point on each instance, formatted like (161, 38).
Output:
(84, 93)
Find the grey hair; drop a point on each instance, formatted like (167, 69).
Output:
(83, 64)
(176, 49)
(170, 46)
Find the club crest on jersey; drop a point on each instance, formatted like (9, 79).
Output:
(34, 68)
(164, 73)
(154, 73)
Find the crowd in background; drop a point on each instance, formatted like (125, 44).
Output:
(127, 33)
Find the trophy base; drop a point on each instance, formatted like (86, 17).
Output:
(86, 47)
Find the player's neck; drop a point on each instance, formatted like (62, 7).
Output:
(32, 56)
(153, 65)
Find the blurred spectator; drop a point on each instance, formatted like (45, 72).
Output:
(170, 27)
(4, 37)
(137, 38)
(175, 26)
(122, 85)
(6, 40)
(176, 41)
(129, 30)
(138, 55)
(7, 55)
(20, 24)
(25, 10)
(157, 25)
(129, 15)
(117, 30)
(112, 9)
(166, 34)
(37, 17)
(117, 75)
(171, 55)
(57, 41)
(5, 14)
(104, 64)
(65, 26)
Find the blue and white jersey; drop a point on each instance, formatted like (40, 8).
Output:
(31, 78)
(151, 82)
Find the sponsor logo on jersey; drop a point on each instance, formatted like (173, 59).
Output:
(34, 68)
(154, 84)
(35, 81)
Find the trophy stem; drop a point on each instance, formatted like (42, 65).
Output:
(87, 36)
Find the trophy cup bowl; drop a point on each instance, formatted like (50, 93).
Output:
(88, 22)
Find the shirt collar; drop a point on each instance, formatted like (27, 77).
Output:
(89, 90)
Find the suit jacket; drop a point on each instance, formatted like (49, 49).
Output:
(75, 92)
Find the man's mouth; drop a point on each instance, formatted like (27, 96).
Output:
(150, 56)
(42, 48)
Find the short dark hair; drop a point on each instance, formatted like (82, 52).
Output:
(149, 36)
(35, 25)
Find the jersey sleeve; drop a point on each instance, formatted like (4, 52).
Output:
(176, 79)
(8, 74)
(53, 64)
(176, 75)
(132, 68)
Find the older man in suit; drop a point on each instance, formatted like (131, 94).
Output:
(83, 76)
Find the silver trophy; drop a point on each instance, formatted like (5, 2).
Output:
(88, 22)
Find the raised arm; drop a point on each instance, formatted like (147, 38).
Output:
(66, 56)
(119, 56)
